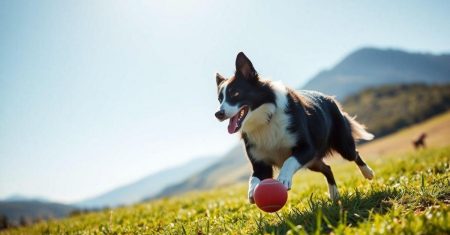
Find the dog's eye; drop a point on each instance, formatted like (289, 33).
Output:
(235, 94)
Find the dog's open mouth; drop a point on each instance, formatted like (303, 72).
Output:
(236, 120)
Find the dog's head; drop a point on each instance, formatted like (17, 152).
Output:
(241, 95)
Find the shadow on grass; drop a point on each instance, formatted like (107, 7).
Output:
(324, 216)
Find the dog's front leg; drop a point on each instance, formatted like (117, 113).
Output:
(261, 171)
(294, 163)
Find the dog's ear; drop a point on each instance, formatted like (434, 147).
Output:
(219, 79)
(244, 67)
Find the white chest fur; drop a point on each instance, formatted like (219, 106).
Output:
(271, 140)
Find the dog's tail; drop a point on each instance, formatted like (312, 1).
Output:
(359, 131)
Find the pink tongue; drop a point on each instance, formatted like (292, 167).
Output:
(232, 127)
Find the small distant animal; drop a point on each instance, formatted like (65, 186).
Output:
(420, 141)
(285, 128)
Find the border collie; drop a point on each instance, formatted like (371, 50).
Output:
(286, 129)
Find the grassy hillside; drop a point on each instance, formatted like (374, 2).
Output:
(410, 195)
(388, 108)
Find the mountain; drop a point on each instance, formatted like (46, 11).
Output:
(21, 212)
(146, 187)
(383, 109)
(368, 67)
(19, 198)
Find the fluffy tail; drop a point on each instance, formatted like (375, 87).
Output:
(358, 130)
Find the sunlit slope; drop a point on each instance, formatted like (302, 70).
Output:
(436, 128)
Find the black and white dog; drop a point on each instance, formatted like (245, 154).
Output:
(285, 128)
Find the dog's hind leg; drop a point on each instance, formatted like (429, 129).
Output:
(351, 154)
(343, 142)
(320, 166)
(363, 167)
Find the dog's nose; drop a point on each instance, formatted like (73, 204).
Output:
(220, 115)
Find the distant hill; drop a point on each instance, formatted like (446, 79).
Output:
(384, 110)
(146, 187)
(18, 198)
(388, 108)
(28, 211)
(370, 67)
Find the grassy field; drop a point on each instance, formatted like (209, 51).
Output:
(410, 195)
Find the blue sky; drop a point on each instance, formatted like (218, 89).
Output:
(95, 94)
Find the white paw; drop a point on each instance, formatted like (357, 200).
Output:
(367, 172)
(334, 193)
(251, 188)
(285, 180)
(290, 166)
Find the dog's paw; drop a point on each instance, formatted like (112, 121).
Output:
(334, 193)
(290, 166)
(367, 172)
(251, 188)
(251, 200)
(285, 180)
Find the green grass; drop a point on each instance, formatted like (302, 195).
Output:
(410, 195)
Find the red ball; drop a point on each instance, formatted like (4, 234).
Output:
(270, 195)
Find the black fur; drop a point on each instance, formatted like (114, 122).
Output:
(251, 93)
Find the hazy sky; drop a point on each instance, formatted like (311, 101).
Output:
(94, 94)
